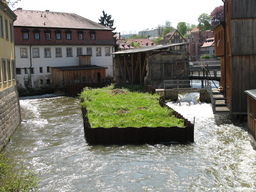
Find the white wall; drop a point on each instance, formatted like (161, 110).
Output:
(53, 61)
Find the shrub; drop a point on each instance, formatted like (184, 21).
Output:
(15, 179)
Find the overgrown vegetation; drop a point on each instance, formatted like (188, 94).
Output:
(15, 179)
(119, 107)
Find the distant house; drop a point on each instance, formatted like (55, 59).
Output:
(196, 39)
(121, 43)
(235, 42)
(46, 40)
(173, 37)
(208, 47)
(141, 42)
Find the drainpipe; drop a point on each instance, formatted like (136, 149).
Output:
(30, 66)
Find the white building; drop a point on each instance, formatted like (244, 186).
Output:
(45, 39)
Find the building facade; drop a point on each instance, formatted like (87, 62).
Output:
(45, 39)
(9, 98)
(235, 45)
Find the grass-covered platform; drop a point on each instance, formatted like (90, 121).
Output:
(122, 116)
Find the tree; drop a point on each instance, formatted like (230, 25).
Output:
(217, 15)
(11, 2)
(106, 20)
(204, 22)
(182, 28)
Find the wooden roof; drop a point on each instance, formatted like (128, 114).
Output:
(149, 48)
(50, 19)
(251, 93)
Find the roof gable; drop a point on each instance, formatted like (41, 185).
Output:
(49, 19)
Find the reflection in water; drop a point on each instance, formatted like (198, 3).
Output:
(51, 141)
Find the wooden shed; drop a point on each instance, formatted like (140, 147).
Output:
(152, 65)
(62, 76)
(251, 115)
(235, 45)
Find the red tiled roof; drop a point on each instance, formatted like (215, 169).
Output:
(55, 20)
(142, 42)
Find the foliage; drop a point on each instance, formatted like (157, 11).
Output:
(157, 40)
(11, 2)
(205, 57)
(15, 179)
(217, 15)
(106, 20)
(139, 37)
(182, 28)
(119, 107)
(136, 45)
(204, 22)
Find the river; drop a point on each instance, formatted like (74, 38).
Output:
(50, 140)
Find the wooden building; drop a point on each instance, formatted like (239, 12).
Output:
(152, 65)
(251, 115)
(84, 73)
(235, 42)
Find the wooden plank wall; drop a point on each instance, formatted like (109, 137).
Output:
(243, 9)
(252, 116)
(244, 78)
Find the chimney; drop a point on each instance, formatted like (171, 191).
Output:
(47, 10)
(20, 9)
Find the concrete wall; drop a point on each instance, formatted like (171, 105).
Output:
(9, 114)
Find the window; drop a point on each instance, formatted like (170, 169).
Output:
(13, 70)
(58, 52)
(47, 52)
(68, 35)
(89, 51)
(1, 26)
(41, 81)
(36, 35)
(18, 71)
(69, 52)
(92, 35)
(31, 70)
(26, 70)
(11, 32)
(41, 69)
(8, 67)
(48, 81)
(6, 30)
(80, 35)
(35, 52)
(4, 70)
(79, 51)
(48, 35)
(58, 35)
(23, 53)
(107, 51)
(48, 69)
(25, 35)
(98, 51)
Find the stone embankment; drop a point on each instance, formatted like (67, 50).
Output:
(9, 114)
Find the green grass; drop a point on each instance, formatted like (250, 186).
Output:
(119, 107)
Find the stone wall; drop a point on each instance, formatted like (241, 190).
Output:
(10, 116)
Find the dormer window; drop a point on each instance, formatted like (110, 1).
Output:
(80, 35)
(68, 35)
(58, 35)
(48, 35)
(92, 35)
(36, 34)
(25, 34)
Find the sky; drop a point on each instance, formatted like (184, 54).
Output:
(130, 16)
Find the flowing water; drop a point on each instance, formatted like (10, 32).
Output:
(50, 140)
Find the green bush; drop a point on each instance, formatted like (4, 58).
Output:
(205, 57)
(15, 179)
